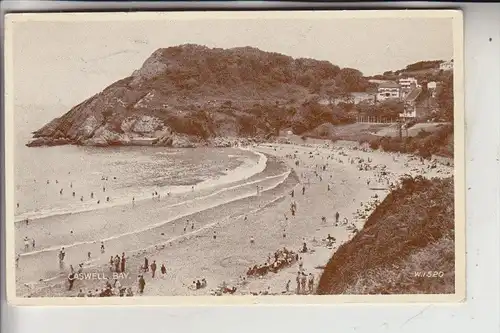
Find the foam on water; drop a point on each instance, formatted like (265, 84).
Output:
(244, 171)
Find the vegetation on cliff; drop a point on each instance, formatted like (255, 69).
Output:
(198, 93)
(411, 232)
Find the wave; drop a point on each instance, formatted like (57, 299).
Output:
(244, 171)
(186, 236)
(284, 176)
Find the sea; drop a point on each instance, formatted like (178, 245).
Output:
(69, 179)
(73, 197)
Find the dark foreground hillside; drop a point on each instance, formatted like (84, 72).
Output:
(411, 232)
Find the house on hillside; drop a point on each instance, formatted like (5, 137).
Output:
(363, 97)
(447, 65)
(431, 86)
(406, 83)
(351, 98)
(388, 91)
(410, 103)
(416, 103)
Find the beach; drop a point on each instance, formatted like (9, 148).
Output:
(218, 232)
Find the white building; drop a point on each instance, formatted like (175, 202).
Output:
(388, 90)
(447, 65)
(406, 82)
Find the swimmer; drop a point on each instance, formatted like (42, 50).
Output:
(61, 191)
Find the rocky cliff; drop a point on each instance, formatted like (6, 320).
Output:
(192, 95)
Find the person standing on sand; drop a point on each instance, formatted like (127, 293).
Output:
(310, 283)
(146, 265)
(303, 281)
(252, 240)
(102, 247)
(287, 287)
(163, 270)
(117, 264)
(26, 244)
(122, 268)
(71, 280)
(337, 216)
(303, 190)
(215, 235)
(62, 254)
(142, 284)
(297, 279)
(17, 260)
(111, 263)
(153, 268)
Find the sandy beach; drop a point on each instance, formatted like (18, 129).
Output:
(218, 247)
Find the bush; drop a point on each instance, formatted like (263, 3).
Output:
(410, 222)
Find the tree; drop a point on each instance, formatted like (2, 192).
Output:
(350, 80)
(445, 98)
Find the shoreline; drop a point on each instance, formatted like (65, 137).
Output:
(155, 217)
(354, 191)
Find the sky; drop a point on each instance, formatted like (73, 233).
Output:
(65, 62)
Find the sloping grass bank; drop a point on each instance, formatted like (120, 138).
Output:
(424, 144)
(410, 233)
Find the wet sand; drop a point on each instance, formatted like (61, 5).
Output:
(196, 254)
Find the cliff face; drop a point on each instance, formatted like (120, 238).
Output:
(192, 95)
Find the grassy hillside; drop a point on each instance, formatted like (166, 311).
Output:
(411, 231)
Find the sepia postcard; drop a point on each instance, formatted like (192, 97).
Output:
(204, 158)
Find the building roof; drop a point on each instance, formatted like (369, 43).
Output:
(389, 85)
(412, 96)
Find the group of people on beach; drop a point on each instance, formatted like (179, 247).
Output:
(319, 173)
